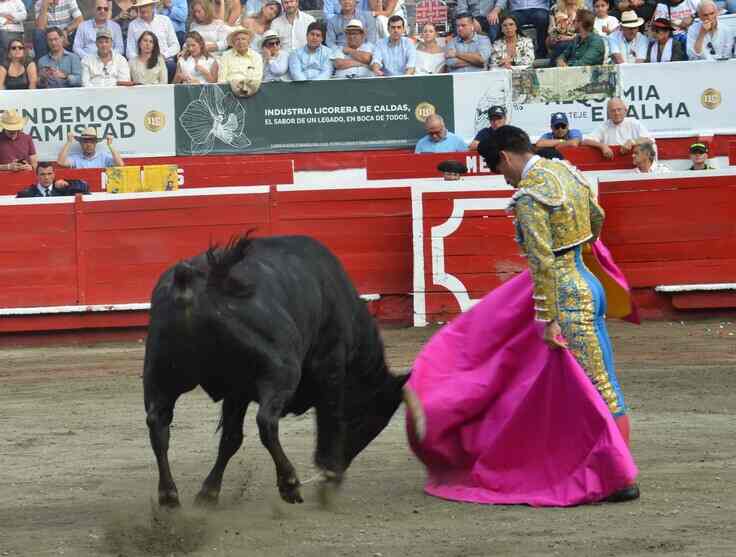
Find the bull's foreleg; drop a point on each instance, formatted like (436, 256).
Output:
(159, 413)
(233, 414)
(330, 434)
(272, 402)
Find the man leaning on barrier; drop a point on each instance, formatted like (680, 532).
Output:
(618, 130)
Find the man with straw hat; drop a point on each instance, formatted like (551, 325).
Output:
(628, 44)
(17, 151)
(241, 66)
(89, 157)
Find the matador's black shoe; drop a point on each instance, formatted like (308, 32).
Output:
(626, 494)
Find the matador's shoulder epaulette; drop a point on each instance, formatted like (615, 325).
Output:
(543, 183)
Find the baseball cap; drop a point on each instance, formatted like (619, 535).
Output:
(103, 33)
(354, 24)
(558, 118)
(698, 148)
(496, 111)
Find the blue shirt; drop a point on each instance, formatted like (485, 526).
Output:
(479, 44)
(514, 5)
(177, 13)
(336, 28)
(70, 64)
(305, 65)
(332, 8)
(571, 134)
(450, 144)
(86, 37)
(101, 159)
(395, 58)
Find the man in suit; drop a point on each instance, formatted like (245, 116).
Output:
(48, 186)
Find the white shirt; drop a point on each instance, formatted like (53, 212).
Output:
(610, 134)
(96, 73)
(355, 71)
(608, 21)
(162, 27)
(721, 41)
(294, 36)
(656, 168)
(188, 67)
(215, 32)
(629, 50)
(17, 10)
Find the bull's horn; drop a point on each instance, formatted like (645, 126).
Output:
(416, 413)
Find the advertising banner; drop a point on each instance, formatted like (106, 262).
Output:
(140, 119)
(474, 93)
(581, 93)
(330, 115)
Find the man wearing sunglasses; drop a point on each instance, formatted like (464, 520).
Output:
(562, 135)
(85, 41)
(706, 40)
(275, 60)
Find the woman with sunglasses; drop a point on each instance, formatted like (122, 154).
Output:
(664, 48)
(195, 64)
(18, 71)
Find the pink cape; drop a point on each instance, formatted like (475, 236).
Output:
(509, 420)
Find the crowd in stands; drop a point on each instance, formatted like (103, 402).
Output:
(128, 42)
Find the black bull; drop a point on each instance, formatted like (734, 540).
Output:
(275, 321)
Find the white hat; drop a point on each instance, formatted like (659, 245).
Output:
(141, 3)
(238, 31)
(630, 19)
(354, 24)
(269, 36)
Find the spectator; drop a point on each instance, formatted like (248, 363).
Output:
(123, 12)
(88, 156)
(605, 24)
(59, 68)
(330, 8)
(642, 8)
(353, 59)
(177, 11)
(291, 26)
(48, 186)
(643, 156)
(664, 48)
(12, 15)
(706, 39)
(588, 49)
(213, 31)
(311, 62)
(468, 51)
(241, 66)
(105, 68)
(480, 9)
(438, 139)
(561, 135)
(513, 48)
(85, 40)
(149, 67)
(64, 14)
(18, 71)
(229, 11)
(627, 44)
(275, 60)
(159, 25)
(527, 12)
(195, 64)
(617, 130)
(452, 170)
(383, 9)
(699, 157)
(17, 151)
(680, 13)
(430, 55)
(496, 119)
(396, 54)
(562, 27)
(549, 153)
(261, 22)
(348, 11)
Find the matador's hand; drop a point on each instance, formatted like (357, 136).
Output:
(553, 335)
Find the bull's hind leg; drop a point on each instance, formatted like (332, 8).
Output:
(233, 414)
(272, 399)
(159, 413)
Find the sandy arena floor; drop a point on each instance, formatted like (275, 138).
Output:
(77, 475)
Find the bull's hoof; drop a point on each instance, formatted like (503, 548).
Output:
(622, 495)
(206, 499)
(169, 498)
(328, 488)
(289, 491)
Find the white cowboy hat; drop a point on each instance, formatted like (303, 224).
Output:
(630, 19)
(12, 121)
(89, 134)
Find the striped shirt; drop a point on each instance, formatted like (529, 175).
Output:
(17, 10)
(395, 59)
(60, 12)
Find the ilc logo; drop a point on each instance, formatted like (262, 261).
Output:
(711, 98)
(154, 121)
(424, 110)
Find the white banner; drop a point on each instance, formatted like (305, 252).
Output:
(473, 94)
(140, 119)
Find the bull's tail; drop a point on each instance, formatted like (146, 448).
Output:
(222, 260)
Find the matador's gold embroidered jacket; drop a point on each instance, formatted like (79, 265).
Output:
(555, 210)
